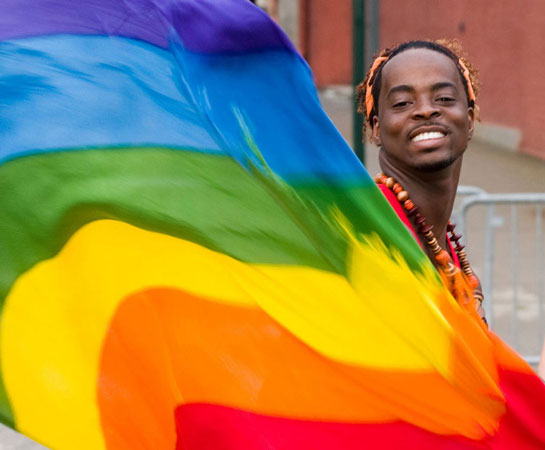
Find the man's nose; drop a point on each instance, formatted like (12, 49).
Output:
(425, 109)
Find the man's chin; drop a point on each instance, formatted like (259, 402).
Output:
(434, 166)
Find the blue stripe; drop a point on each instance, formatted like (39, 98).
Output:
(62, 92)
(71, 92)
(275, 95)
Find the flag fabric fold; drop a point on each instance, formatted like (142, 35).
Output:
(193, 258)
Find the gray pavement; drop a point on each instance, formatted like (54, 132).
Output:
(11, 440)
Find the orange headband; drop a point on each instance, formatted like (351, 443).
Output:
(465, 71)
(370, 102)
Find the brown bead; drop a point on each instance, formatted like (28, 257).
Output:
(434, 245)
(420, 220)
(463, 260)
(425, 229)
(459, 247)
(455, 237)
(450, 227)
(414, 212)
(408, 204)
(403, 196)
(390, 183)
(397, 188)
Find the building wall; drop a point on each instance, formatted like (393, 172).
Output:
(325, 30)
(503, 39)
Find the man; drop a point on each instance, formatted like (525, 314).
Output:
(419, 104)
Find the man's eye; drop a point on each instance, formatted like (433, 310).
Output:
(445, 99)
(400, 104)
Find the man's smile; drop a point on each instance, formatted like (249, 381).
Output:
(430, 135)
(428, 132)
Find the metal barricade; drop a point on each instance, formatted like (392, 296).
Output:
(509, 260)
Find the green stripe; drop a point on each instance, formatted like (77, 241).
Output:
(208, 199)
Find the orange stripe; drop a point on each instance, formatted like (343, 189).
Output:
(171, 348)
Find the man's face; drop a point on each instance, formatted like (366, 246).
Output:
(424, 122)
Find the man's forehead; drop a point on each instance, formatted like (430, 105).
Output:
(420, 67)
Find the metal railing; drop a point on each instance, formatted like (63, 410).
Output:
(505, 273)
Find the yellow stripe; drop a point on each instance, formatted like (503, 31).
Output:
(55, 319)
(406, 302)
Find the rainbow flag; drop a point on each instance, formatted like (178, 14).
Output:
(193, 258)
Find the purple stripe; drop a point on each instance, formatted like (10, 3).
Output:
(211, 26)
(205, 26)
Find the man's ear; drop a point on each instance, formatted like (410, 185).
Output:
(471, 117)
(375, 132)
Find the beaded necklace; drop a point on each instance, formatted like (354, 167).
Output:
(455, 279)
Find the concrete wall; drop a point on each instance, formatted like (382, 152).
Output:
(288, 18)
(504, 39)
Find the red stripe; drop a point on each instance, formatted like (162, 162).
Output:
(523, 426)
(211, 427)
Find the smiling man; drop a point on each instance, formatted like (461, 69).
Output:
(418, 99)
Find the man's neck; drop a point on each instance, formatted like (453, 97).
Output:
(432, 192)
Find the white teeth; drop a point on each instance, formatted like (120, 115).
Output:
(429, 135)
